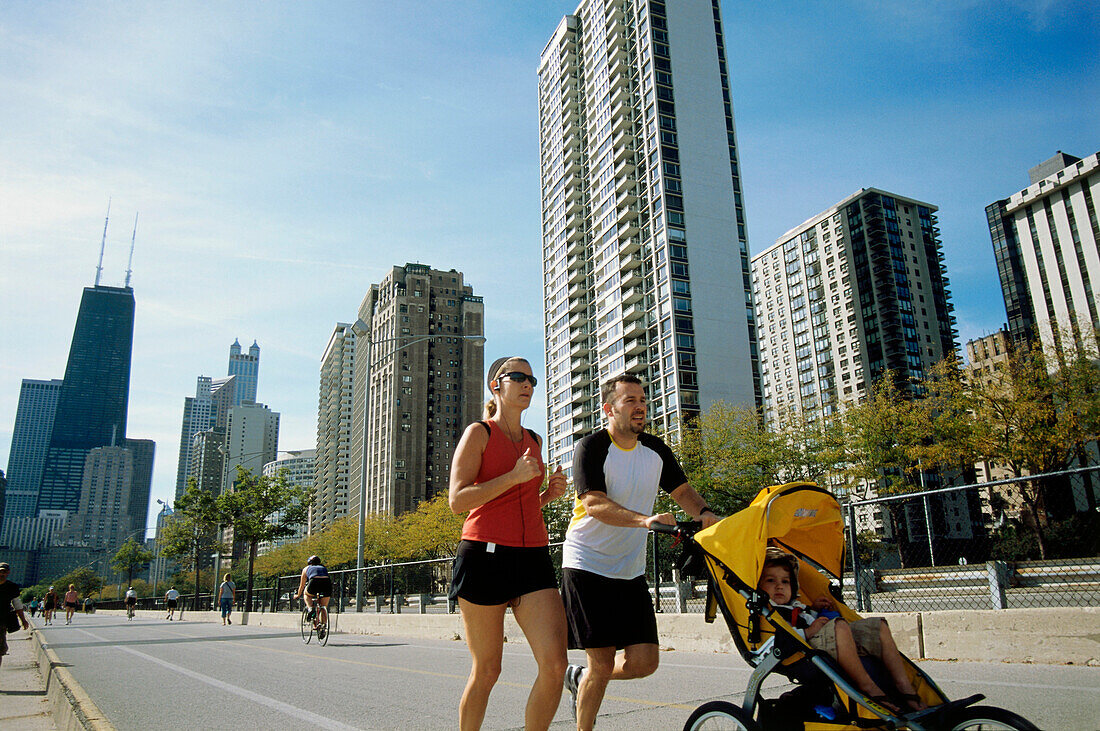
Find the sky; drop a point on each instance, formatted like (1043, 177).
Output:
(283, 156)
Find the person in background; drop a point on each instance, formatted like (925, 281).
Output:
(171, 599)
(71, 600)
(227, 595)
(49, 605)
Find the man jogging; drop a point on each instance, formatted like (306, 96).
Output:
(617, 472)
(11, 609)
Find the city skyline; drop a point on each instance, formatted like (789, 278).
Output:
(280, 173)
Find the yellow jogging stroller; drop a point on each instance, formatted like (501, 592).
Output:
(805, 520)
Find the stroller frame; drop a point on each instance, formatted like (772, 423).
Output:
(786, 651)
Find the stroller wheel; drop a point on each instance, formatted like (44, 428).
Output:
(987, 718)
(720, 716)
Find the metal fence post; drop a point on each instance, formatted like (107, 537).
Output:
(997, 571)
(928, 530)
(683, 591)
(656, 575)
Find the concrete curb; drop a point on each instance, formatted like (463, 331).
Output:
(71, 707)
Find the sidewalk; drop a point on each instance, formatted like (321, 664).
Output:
(23, 705)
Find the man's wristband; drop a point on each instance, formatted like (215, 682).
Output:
(706, 509)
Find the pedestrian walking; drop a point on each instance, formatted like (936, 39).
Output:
(227, 596)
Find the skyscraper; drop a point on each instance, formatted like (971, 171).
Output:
(251, 440)
(425, 379)
(1046, 239)
(209, 407)
(334, 416)
(92, 405)
(246, 367)
(852, 292)
(29, 441)
(644, 242)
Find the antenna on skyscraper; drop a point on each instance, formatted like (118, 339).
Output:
(129, 264)
(103, 244)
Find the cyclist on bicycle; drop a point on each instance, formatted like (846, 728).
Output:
(131, 602)
(315, 585)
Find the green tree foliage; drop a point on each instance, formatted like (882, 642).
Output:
(261, 508)
(191, 530)
(130, 556)
(86, 580)
(430, 531)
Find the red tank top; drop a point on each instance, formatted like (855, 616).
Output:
(513, 518)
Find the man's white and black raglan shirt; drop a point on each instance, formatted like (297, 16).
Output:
(629, 477)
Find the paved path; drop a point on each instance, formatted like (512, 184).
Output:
(153, 674)
(23, 704)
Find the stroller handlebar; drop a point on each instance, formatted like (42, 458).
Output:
(683, 528)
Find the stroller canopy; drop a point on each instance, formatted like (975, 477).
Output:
(799, 517)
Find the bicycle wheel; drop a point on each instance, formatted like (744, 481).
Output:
(987, 718)
(720, 716)
(307, 627)
(322, 625)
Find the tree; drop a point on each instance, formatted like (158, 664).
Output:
(86, 581)
(130, 556)
(191, 529)
(430, 531)
(261, 508)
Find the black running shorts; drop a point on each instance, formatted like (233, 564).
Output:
(604, 612)
(497, 577)
(319, 586)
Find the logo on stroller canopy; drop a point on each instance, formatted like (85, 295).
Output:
(805, 513)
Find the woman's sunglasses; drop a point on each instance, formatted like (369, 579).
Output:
(520, 377)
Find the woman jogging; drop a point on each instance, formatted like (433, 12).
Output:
(503, 559)
(71, 599)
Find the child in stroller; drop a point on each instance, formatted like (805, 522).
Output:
(826, 630)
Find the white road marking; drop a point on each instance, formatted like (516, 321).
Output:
(301, 713)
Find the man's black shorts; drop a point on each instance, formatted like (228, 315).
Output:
(604, 612)
(497, 577)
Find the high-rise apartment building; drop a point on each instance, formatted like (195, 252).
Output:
(333, 457)
(419, 347)
(1046, 239)
(102, 518)
(92, 404)
(298, 467)
(251, 440)
(644, 243)
(847, 295)
(30, 439)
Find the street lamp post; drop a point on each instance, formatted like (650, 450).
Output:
(363, 331)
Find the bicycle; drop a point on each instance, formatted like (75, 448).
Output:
(130, 612)
(317, 624)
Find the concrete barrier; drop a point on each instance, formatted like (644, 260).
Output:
(1058, 636)
(72, 709)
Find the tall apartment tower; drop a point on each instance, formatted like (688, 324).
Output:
(30, 439)
(645, 254)
(251, 440)
(418, 345)
(1046, 240)
(92, 404)
(333, 457)
(246, 367)
(854, 291)
(299, 469)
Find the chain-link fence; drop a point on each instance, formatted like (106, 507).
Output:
(976, 546)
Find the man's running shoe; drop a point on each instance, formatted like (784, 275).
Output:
(321, 632)
(572, 684)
